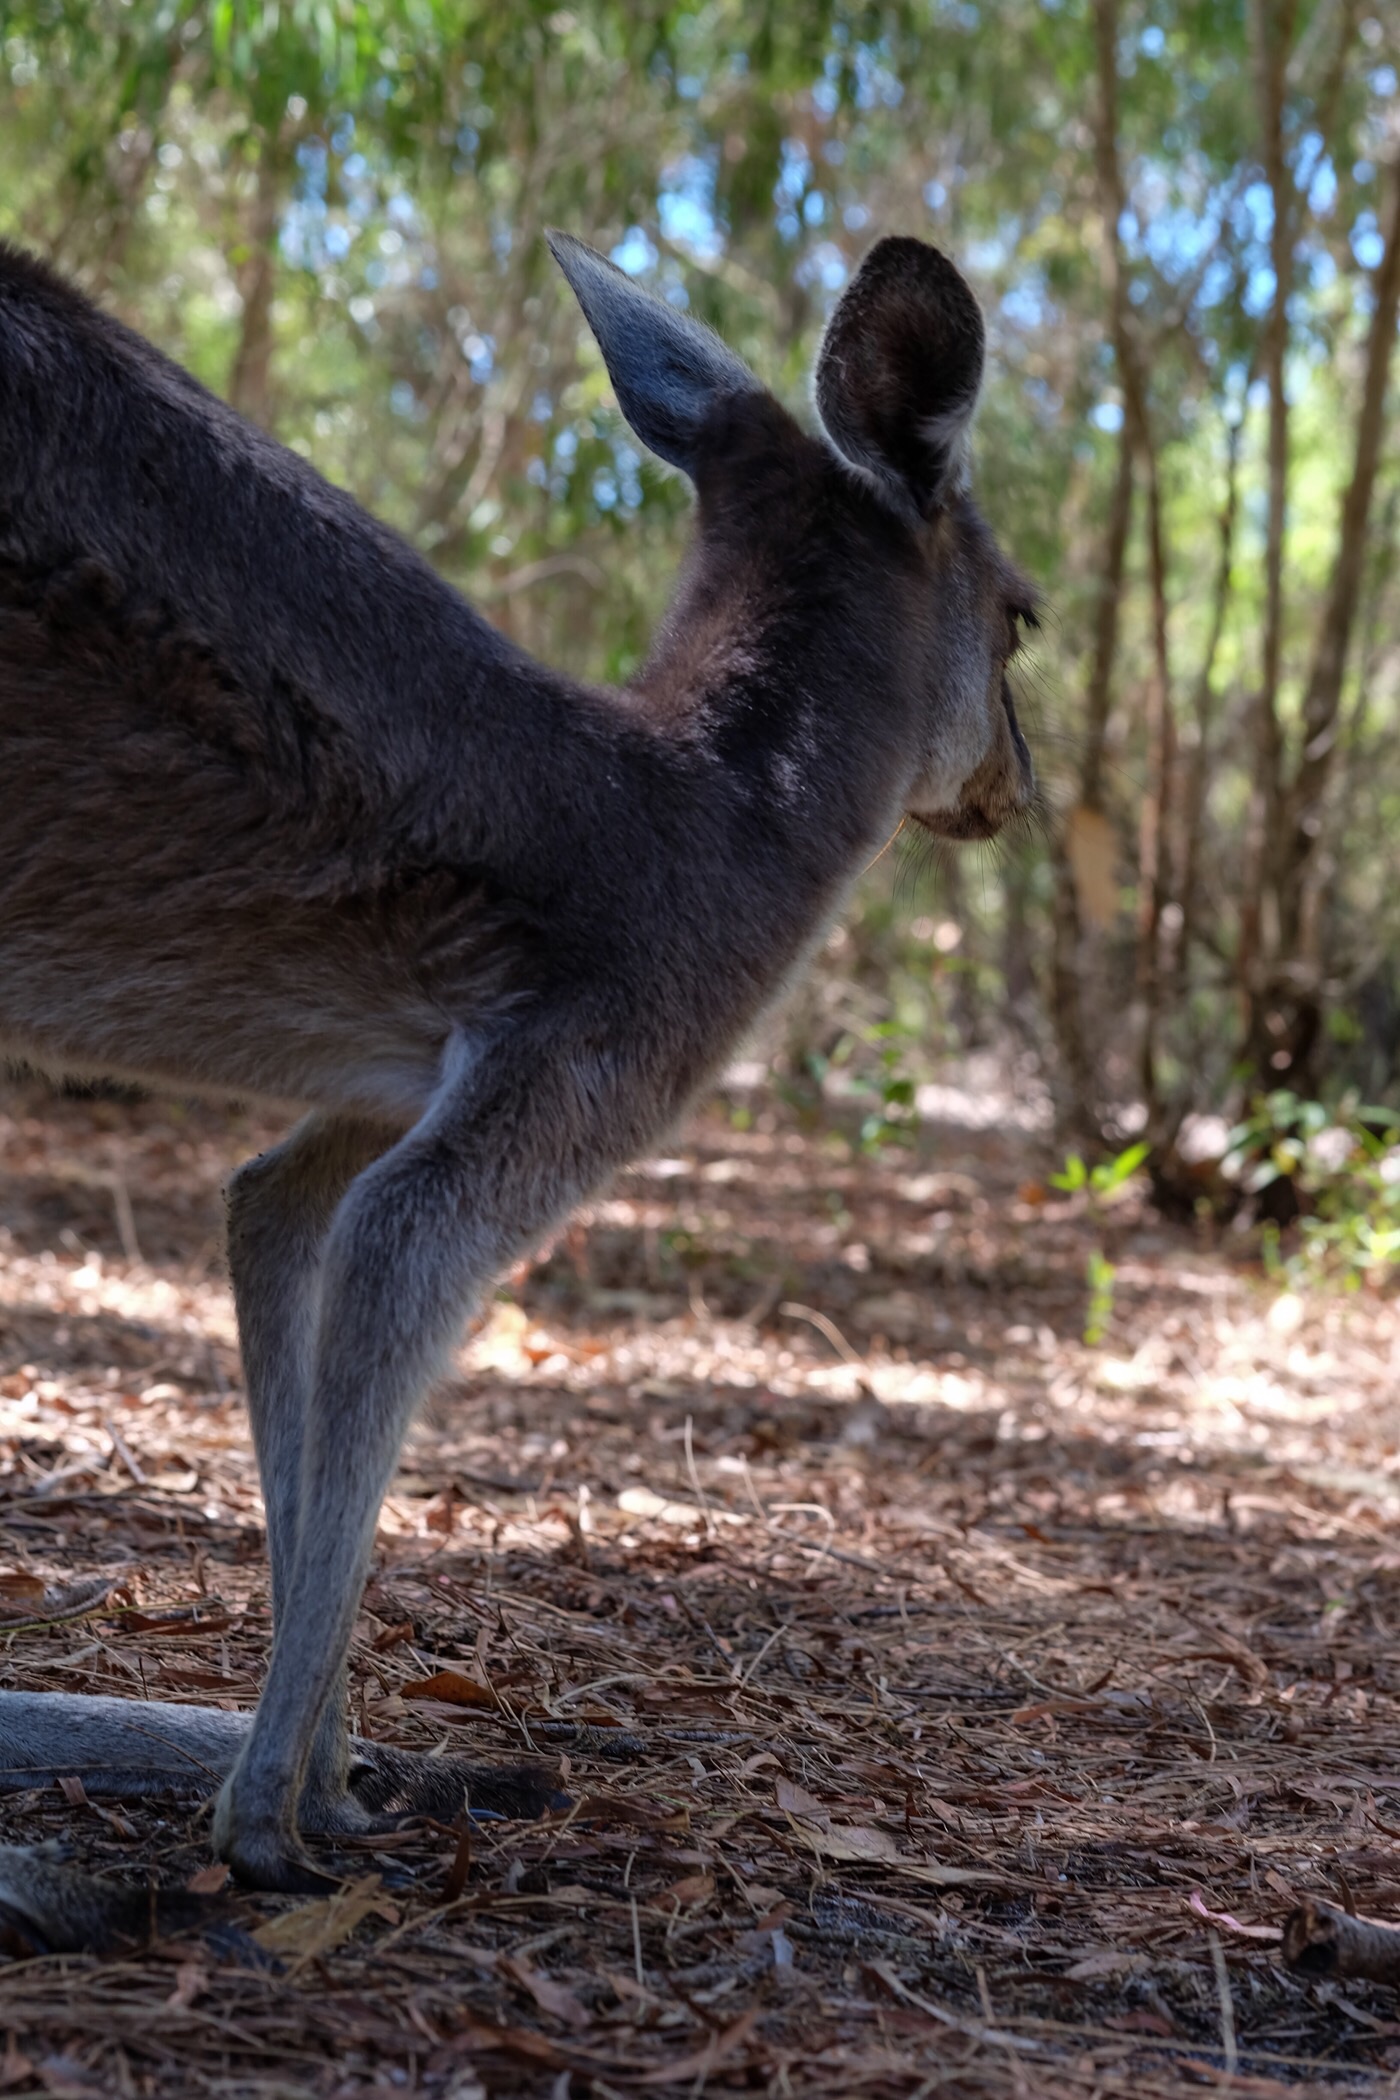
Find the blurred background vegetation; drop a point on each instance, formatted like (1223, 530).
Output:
(1183, 220)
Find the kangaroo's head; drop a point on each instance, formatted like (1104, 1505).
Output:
(896, 384)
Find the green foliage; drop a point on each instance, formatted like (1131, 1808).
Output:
(1343, 1166)
(889, 1089)
(1276, 1139)
(345, 199)
(1104, 1185)
(868, 1064)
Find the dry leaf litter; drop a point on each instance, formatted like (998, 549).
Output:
(947, 1705)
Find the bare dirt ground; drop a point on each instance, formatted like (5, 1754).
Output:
(949, 1705)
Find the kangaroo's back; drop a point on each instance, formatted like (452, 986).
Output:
(115, 464)
(279, 811)
(233, 708)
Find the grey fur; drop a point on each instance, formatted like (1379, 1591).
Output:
(280, 815)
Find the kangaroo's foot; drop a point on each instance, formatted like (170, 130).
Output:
(267, 1855)
(383, 1790)
(134, 1748)
(394, 1785)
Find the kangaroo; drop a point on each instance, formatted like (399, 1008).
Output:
(281, 816)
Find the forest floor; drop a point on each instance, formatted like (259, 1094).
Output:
(949, 1704)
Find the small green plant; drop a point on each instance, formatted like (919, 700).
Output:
(868, 1065)
(1107, 1180)
(1104, 1184)
(801, 1089)
(891, 1117)
(1100, 1275)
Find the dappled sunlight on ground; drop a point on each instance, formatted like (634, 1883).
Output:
(933, 1681)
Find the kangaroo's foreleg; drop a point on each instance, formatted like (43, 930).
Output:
(509, 1144)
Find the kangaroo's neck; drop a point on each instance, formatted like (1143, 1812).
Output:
(785, 670)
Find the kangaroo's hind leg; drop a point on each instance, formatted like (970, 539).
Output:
(517, 1133)
(280, 1208)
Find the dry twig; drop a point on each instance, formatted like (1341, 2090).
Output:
(1319, 1940)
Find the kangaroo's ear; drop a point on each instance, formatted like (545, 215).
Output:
(666, 370)
(898, 372)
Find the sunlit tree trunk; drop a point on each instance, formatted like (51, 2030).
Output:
(1197, 773)
(1073, 951)
(1098, 699)
(1294, 994)
(1154, 872)
(1154, 860)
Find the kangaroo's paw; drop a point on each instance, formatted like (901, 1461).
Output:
(255, 1831)
(136, 1747)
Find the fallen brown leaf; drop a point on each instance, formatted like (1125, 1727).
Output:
(554, 1998)
(849, 1841)
(452, 1689)
(318, 1928)
(796, 1801)
(208, 1881)
(692, 1888)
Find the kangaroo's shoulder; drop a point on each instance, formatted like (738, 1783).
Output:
(26, 279)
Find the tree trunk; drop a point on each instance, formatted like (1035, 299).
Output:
(1193, 800)
(1272, 24)
(1292, 1022)
(1078, 1087)
(1154, 874)
(1098, 700)
(1154, 859)
(250, 380)
(1073, 950)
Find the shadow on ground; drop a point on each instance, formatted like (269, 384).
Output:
(948, 1703)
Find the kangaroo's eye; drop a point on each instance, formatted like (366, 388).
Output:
(1019, 617)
